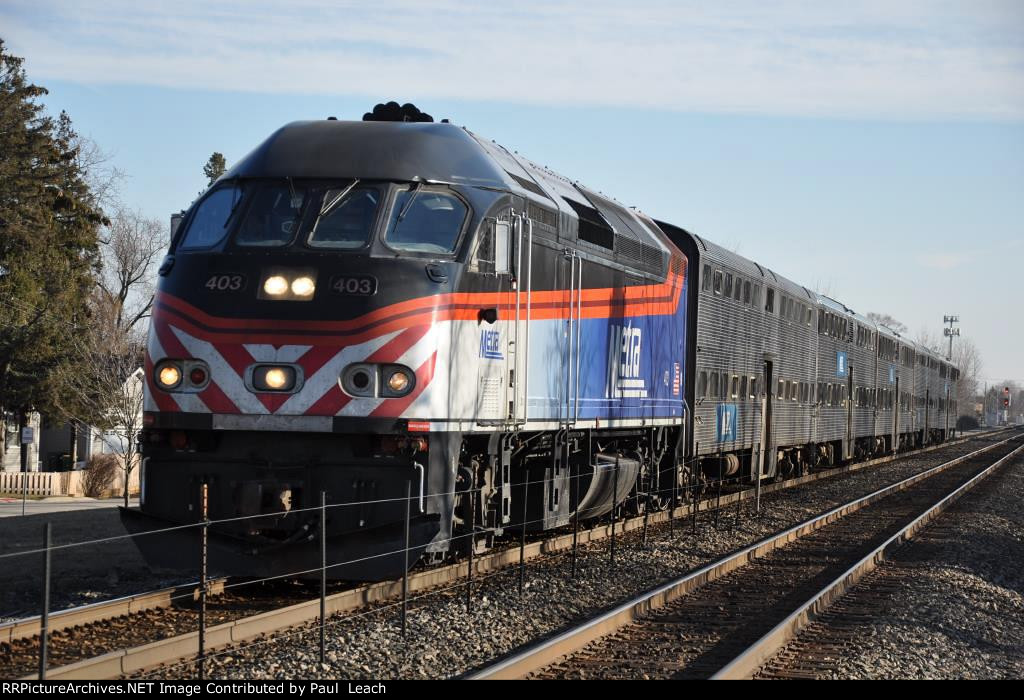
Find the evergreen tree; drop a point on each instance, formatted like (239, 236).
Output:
(48, 246)
(215, 167)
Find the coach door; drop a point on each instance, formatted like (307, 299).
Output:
(896, 418)
(767, 451)
(849, 413)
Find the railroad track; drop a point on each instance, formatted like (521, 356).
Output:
(725, 619)
(113, 634)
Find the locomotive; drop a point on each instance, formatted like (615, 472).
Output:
(421, 324)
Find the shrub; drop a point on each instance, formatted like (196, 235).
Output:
(99, 475)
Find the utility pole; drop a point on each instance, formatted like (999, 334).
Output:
(950, 332)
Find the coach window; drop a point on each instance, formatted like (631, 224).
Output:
(718, 281)
(706, 282)
(737, 292)
(714, 385)
(743, 388)
(728, 284)
(746, 292)
(757, 296)
(781, 393)
(734, 390)
(769, 300)
(724, 384)
(809, 315)
(702, 385)
(425, 221)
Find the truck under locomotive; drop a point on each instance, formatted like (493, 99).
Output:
(370, 309)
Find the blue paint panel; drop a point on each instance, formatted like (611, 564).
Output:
(842, 368)
(892, 374)
(630, 366)
(726, 422)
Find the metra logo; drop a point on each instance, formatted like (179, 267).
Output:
(490, 345)
(624, 380)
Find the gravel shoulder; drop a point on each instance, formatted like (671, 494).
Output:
(948, 604)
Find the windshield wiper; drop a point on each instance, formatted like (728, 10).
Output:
(405, 209)
(330, 206)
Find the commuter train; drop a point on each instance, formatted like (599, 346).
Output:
(381, 308)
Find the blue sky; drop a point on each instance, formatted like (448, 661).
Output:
(874, 150)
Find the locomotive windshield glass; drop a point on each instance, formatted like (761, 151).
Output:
(210, 223)
(425, 221)
(275, 210)
(346, 217)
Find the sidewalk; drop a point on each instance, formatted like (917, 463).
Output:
(11, 506)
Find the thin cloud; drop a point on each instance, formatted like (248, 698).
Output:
(915, 60)
(943, 261)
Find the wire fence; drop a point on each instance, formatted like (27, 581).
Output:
(636, 501)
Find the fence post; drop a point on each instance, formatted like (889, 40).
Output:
(44, 618)
(203, 541)
(576, 506)
(615, 497)
(323, 576)
(472, 545)
(405, 570)
(522, 535)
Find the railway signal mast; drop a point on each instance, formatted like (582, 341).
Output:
(950, 332)
(1006, 405)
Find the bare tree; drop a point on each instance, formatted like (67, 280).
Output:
(887, 320)
(967, 359)
(103, 178)
(109, 390)
(132, 245)
(925, 338)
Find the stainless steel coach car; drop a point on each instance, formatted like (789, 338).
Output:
(786, 379)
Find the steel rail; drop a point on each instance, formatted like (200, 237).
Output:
(125, 661)
(748, 662)
(543, 653)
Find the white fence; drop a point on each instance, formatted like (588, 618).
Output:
(60, 483)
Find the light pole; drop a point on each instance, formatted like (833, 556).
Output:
(950, 332)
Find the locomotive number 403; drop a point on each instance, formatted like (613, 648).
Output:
(359, 285)
(225, 283)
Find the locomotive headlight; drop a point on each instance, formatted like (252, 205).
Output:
(273, 378)
(398, 381)
(275, 285)
(303, 286)
(168, 375)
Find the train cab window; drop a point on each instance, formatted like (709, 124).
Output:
(718, 281)
(714, 385)
(746, 292)
(209, 224)
(706, 281)
(425, 221)
(274, 213)
(743, 388)
(346, 218)
(769, 300)
(702, 385)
